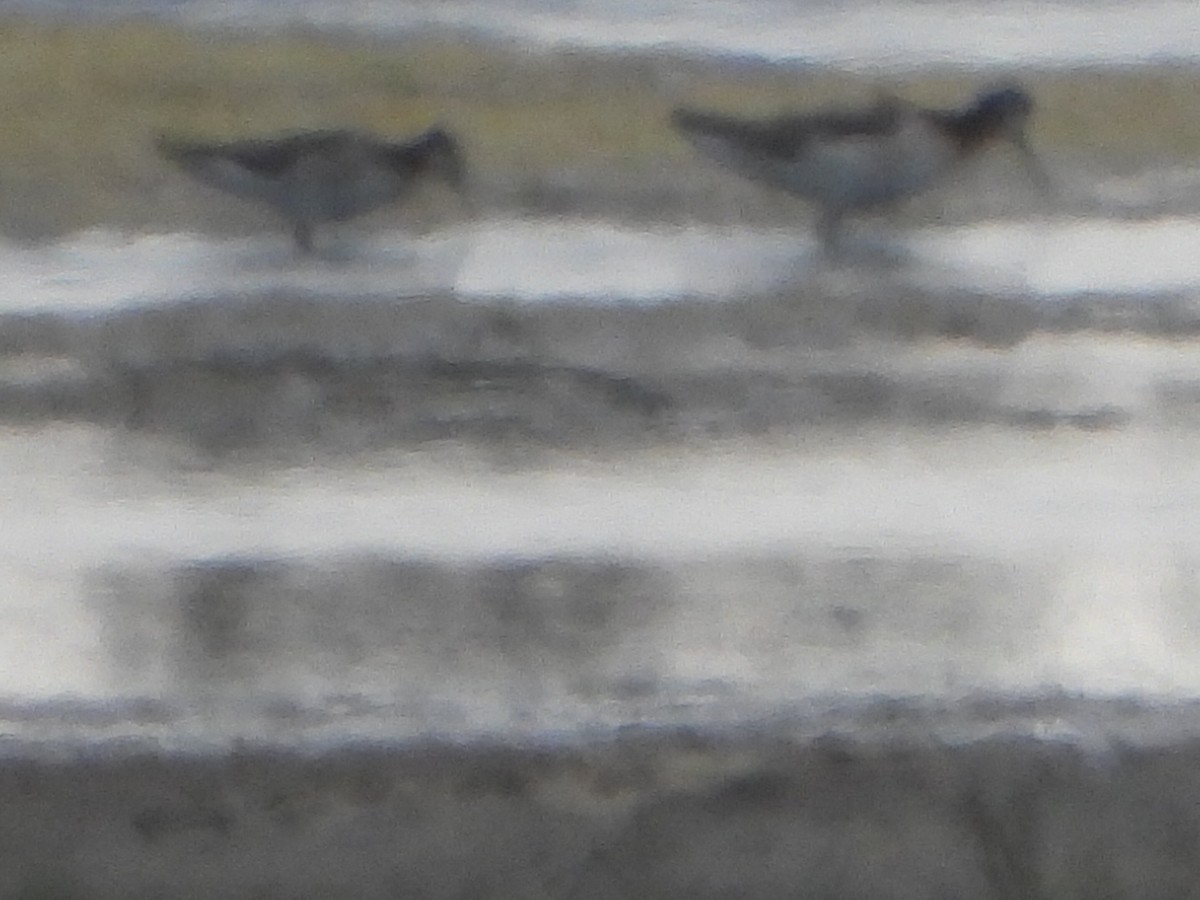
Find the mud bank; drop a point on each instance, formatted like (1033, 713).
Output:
(231, 375)
(762, 812)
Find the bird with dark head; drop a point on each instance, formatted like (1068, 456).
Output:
(850, 160)
(314, 177)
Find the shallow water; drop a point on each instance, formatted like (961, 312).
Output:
(1038, 559)
(600, 261)
(778, 522)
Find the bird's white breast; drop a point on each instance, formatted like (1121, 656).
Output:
(868, 170)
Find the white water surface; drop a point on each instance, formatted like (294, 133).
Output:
(1078, 548)
(553, 260)
(1097, 527)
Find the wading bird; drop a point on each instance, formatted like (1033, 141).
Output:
(314, 177)
(845, 161)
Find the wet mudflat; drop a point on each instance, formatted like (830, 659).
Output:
(668, 815)
(862, 582)
(611, 542)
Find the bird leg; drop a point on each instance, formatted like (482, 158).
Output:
(303, 233)
(829, 230)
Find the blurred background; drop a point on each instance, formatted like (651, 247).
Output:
(613, 446)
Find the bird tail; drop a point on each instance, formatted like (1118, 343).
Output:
(175, 149)
(694, 122)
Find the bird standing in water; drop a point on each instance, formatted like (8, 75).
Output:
(314, 177)
(846, 161)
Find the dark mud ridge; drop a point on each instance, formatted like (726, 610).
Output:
(583, 639)
(283, 372)
(669, 815)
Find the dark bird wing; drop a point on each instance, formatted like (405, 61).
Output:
(784, 138)
(263, 158)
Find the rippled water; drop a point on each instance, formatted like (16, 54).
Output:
(544, 475)
(599, 261)
(910, 515)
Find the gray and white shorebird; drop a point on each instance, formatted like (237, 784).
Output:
(314, 177)
(850, 160)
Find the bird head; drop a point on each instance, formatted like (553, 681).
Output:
(444, 157)
(1003, 113)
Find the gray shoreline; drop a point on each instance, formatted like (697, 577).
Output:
(652, 814)
(219, 375)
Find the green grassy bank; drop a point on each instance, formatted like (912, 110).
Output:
(84, 102)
